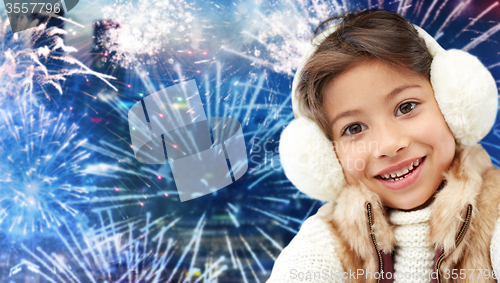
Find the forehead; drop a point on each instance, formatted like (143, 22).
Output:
(365, 84)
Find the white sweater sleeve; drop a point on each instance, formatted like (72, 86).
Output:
(495, 250)
(309, 257)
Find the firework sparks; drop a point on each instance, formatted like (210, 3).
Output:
(145, 27)
(284, 34)
(121, 252)
(246, 217)
(41, 170)
(23, 73)
(247, 102)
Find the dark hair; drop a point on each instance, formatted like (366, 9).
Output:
(359, 36)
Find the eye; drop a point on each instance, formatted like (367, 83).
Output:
(406, 108)
(353, 129)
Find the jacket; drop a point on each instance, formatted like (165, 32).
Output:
(352, 235)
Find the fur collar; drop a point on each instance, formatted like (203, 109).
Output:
(463, 183)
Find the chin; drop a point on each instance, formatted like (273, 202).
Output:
(407, 205)
(412, 205)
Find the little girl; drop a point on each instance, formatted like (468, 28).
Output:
(386, 131)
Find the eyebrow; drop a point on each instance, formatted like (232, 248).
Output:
(388, 98)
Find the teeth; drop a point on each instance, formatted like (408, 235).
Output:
(402, 173)
(397, 175)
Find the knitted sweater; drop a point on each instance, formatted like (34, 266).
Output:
(311, 255)
(413, 255)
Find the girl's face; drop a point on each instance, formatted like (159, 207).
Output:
(387, 124)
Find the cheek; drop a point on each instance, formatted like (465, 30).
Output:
(353, 158)
(433, 131)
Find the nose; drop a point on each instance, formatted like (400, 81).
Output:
(390, 139)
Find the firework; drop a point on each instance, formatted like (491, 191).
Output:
(144, 28)
(231, 228)
(24, 73)
(283, 33)
(123, 251)
(244, 226)
(43, 167)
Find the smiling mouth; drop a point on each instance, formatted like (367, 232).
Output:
(396, 176)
